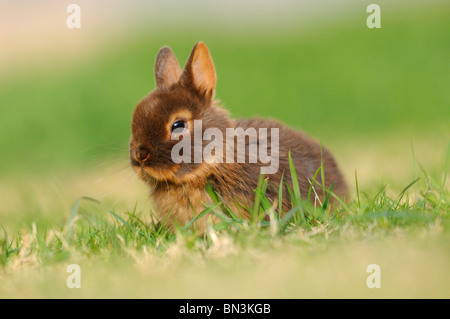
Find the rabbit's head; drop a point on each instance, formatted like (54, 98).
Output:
(166, 116)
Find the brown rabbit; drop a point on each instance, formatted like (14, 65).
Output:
(170, 113)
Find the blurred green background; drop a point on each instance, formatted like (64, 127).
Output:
(324, 72)
(377, 98)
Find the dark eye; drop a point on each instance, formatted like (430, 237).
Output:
(178, 126)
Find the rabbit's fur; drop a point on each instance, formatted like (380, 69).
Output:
(179, 190)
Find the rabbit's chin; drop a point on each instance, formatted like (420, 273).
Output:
(152, 176)
(195, 177)
(144, 175)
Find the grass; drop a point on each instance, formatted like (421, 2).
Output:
(95, 236)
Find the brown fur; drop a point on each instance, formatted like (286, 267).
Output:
(179, 189)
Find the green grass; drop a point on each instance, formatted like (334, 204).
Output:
(95, 236)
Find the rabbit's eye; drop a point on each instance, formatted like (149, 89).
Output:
(178, 126)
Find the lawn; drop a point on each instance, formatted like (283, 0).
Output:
(378, 99)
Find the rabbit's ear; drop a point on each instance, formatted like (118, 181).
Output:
(199, 73)
(167, 69)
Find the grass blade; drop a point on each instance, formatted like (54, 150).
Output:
(283, 223)
(313, 182)
(201, 214)
(296, 188)
(280, 197)
(357, 189)
(402, 193)
(131, 227)
(257, 203)
(294, 178)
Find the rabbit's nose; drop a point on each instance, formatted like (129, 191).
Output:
(142, 154)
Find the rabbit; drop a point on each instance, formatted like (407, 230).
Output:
(178, 189)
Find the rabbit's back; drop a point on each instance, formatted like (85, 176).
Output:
(307, 156)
